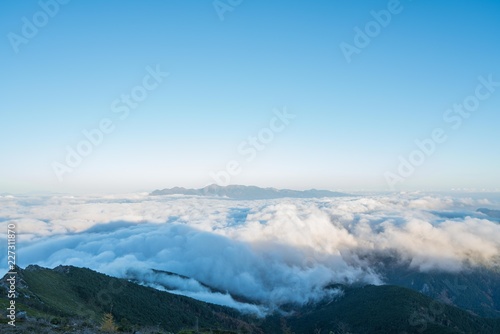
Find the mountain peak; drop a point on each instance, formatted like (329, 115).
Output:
(241, 192)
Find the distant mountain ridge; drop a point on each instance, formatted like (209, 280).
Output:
(490, 213)
(247, 192)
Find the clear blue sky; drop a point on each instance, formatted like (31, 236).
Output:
(353, 119)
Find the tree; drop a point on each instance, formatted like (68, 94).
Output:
(108, 323)
(285, 328)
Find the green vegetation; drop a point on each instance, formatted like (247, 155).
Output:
(70, 292)
(475, 290)
(77, 300)
(388, 309)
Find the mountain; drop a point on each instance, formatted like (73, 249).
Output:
(247, 192)
(490, 213)
(477, 291)
(385, 310)
(68, 299)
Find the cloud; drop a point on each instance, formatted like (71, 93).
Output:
(268, 253)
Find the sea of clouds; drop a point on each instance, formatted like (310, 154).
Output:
(270, 253)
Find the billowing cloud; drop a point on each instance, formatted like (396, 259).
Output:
(254, 255)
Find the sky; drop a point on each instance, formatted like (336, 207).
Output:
(123, 96)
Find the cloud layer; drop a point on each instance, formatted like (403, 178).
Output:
(266, 252)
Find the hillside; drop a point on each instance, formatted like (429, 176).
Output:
(77, 293)
(74, 300)
(389, 309)
(477, 291)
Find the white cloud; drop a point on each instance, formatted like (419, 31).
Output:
(269, 252)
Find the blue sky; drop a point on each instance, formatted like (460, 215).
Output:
(353, 120)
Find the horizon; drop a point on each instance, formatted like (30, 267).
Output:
(347, 192)
(366, 191)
